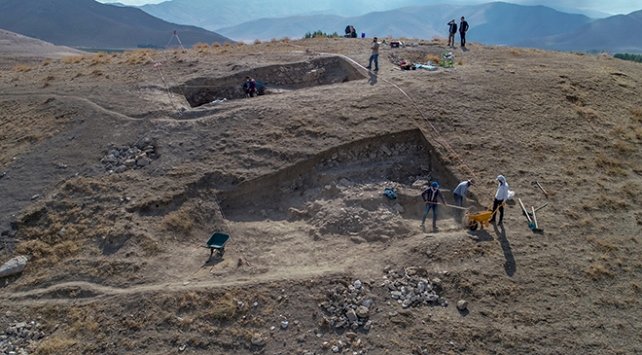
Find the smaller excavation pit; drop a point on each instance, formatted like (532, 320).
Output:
(339, 192)
(277, 78)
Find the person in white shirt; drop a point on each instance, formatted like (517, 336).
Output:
(460, 192)
(501, 196)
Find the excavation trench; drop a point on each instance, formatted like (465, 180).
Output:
(340, 191)
(282, 77)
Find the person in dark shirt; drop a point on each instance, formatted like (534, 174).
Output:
(430, 196)
(463, 28)
(452, 30)
(249, 86)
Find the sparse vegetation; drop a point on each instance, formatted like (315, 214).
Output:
(320, 34)
(22, 68)
(73, 59)
(629, 56)
(179, 222)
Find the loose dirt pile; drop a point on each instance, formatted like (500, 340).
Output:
(319, 260)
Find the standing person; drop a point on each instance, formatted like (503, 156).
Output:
(430, 196)
(249, 86)
(460, 192)
(452, 30)
(501, 196)
(375, 55)
(463, 28)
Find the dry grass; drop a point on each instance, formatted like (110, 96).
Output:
(598, 270)
(224, 309)
(74, 59)
(180, 222)
(434, 58)
(56, 345)
(100, 58)
(137, 57)
(610, 165)
(22, 68)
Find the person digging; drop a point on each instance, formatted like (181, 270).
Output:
(430, 196)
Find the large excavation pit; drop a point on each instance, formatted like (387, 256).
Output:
(291, 76)
(339, 192)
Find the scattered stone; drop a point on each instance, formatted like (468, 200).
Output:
(35, 197)
(19, 338)
(284, 324)
(363, 312)
(123, 158)
(462, 305)
(344, 306)
(411, 288)
(357, 239)
(13, 266)
(257, 340)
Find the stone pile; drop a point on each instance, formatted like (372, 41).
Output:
(411, 287)
(347, 307)
(120, 159)
(19, 338)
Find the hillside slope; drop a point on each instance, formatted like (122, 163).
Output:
(89, 24)
(113, 178)
(614, 34)
(14, 45)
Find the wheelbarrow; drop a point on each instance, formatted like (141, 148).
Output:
(479, 220)
(217, 242)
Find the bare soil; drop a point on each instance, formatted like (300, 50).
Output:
(296, 177)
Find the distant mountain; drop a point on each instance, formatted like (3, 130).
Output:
(493, 23)
(214, 14)
(621, 33)
(89, 24)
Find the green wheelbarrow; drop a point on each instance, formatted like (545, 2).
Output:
(217, 242)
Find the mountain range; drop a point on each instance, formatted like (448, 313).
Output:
(90, 24)
(491, 23)
(498, 23)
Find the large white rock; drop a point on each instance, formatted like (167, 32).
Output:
(13, 266)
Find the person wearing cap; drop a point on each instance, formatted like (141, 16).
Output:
(430, 196)
(501, 196)
(460, 192)
(374, 57)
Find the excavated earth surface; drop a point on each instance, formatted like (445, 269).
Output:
(116, 168)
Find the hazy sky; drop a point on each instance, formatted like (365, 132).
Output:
(609, 7)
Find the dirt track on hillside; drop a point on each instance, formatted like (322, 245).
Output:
(296, 178)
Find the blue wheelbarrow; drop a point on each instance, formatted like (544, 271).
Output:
(217, 242)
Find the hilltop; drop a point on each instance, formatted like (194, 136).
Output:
(116, 168)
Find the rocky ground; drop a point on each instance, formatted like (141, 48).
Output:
(113, 174)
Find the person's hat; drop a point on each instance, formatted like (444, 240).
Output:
(501, 178)
(434, 184)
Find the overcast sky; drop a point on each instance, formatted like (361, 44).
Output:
(607, 6)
